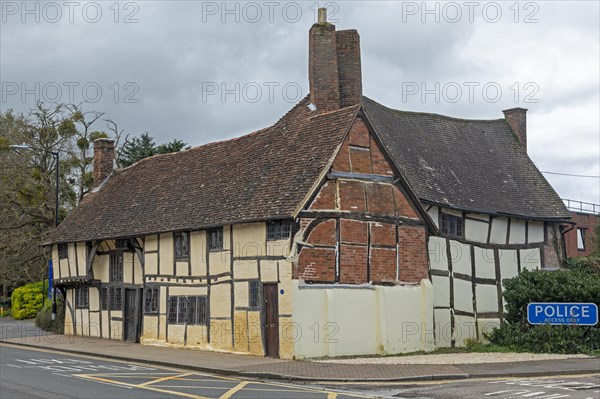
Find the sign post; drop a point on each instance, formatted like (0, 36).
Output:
(553, 313)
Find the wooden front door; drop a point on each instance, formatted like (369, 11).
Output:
(130, 318)
(271, 319)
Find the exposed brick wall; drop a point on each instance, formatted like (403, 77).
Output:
(383, 264)
(317, 264)
(360, 262)
(383, 234)
(352, 196)
(354, 232)
(326, 197)
(413, 254)
(103, 160)
(353, 264)
(585, 221)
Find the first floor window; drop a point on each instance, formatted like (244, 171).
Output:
(581, 239)
(63, 251)
(151, 300)
(215, 239)
(82, 295)
(451, 225)
(253, 294)
(190, 310)
(278, 230)
(116, 267)
(182, 244)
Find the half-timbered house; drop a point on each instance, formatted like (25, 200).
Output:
(345, 228)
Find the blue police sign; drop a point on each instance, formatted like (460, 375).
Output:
(580, 314)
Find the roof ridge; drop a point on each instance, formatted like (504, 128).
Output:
(434, 114)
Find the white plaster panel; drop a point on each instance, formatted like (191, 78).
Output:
(451, 212)
(137, 270)
(499, 229)
(166, 254)
(438, 259)
(441, 290)
(94, 299)
(198, 252)
(249, 239)
(192, 291)
(487, 298)
(517, 232)
(285, 284)
(241, 294)
(100, 268)
(150, 243)
(81, 257)
(218, 262)
(268, 271)
(182, 268)
(535, 233)
(443, 328)
(434, 213)
(72, 259)
(464, 328)
(479, 216)
(530, 259)
(162, 300)
(461, 257)
(278, 247)
(387, 324)
(220, 300)
(94, 324)
(243, 269)
(128, 267)
(485, 266)
(463, 295)
(509, 264)
(476, 231)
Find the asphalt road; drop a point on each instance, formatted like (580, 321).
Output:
(558, 387)
(34, 373)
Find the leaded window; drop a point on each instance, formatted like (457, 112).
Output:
(182, 244)
(111, 298)
(278, 230)
(82, 295)
(451, 225)
(116, 266)
(151, 300)
(190, 310)
(215, 239)
(63, 251)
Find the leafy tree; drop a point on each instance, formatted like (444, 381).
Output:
(142, 147)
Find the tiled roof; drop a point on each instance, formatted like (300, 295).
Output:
(475, 165)
(260, 176)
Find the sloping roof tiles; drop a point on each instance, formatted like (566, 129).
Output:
(475, 165)
(260, 176)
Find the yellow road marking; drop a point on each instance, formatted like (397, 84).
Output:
(233, 390)
(164, 379)
(149, 388)
(245, 389)
(331, 395)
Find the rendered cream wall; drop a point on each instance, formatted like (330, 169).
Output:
(341, 321)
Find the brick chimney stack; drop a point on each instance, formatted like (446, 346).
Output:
(334, 67)
(517, 120)
(104, 154)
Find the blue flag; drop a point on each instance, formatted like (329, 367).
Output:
(50, 278)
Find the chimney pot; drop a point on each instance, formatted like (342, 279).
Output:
(517, 120)
(322, 16)
(104, 155)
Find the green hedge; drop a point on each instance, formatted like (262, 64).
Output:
(579, 283)
(27, 301)
(44, 317)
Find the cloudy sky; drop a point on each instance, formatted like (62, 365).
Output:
(207, 71)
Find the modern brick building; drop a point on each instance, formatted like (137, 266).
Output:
(345, 228)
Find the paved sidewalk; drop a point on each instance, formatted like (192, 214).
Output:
(25, 333)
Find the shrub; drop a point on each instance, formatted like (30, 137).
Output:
(579, 283)
(44, 317)
(27, 301)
